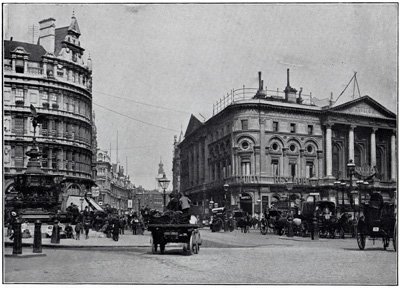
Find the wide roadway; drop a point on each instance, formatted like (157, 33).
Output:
(224, 258)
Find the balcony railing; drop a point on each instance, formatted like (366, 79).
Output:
(35, 70)
(237, 95)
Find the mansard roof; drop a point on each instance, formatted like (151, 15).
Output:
(194, 124)
(363, 106)
(35, 51)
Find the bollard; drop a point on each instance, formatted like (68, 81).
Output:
(55, 236)
(37, 238)
(315, 232)
(290, 225)
(17, 248)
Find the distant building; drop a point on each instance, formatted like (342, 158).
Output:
(268, 145)
(115, 187)
(176, 165)
(53, 77)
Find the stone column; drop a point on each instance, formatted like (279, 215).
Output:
(328, 150)
(45, 67)
(13, 59)
(393, 156)
(373, 147)
(302, 164)
(263, 159)
(65, 75)
(351, 142)
(55, 69)
(320, 170)
(25, 64)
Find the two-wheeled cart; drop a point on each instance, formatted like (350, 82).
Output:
(188, 234)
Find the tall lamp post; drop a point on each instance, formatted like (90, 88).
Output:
(350, 171)
(362, 186)
(314, 232)
(164, 182)
(226, 188)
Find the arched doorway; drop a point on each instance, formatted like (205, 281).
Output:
(246, 203)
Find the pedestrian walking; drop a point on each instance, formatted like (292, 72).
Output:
(78, 228)
(86, 227)
(11, 222)
(135, 223)
(122, 223)
(115, 231)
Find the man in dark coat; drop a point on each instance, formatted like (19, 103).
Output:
(115, 231)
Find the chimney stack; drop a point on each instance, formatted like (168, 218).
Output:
(47, 34)
(290, 93)
(259, 81)
(260, 92)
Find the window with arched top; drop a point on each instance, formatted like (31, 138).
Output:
(357, 156)
(336, 161)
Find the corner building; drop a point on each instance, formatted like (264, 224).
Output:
(267, 145)
(53, 77)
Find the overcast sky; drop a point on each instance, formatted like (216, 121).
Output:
(179, 59)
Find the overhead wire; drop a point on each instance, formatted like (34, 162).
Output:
(142, 103)
(138, 120)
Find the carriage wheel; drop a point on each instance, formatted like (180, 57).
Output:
(246, 228)
(195, 246)
(188, 246)
(361, 239)
(263, 230)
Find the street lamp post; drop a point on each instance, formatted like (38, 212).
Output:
(81, 199)
(164, 182)
(289, 187)
(350, 170)
(314, 232)
(226, 188)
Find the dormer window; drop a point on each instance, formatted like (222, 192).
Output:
(19, 66)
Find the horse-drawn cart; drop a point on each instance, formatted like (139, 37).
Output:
(379, 221)
(188, 234)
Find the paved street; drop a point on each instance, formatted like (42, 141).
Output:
(224, 258)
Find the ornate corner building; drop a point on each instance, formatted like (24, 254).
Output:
(53, 77)
(267, 145)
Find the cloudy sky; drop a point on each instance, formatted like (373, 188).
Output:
(156, 64)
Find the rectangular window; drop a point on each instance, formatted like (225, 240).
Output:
(19, 156)
(246, 168)
(309, 169)
(7, 95)
(19, 126)
(245, 124)
(34, 97)
(275, 126)
(54, 97)
(292, 128)
(19, 66)
(293, 169)
(19, 95)
(310, 129)
(275, 167)
(45, 96)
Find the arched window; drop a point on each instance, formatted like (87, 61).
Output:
(357, 156)
(380, 165)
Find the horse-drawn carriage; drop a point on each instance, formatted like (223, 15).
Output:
(379, 221)
(325, 214)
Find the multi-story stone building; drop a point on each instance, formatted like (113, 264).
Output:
(115, 187)
(53, 77)
(268, 145)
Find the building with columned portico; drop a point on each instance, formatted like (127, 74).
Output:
(267, 145)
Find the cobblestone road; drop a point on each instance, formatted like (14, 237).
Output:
(224, 258)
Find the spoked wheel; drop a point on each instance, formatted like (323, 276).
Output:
(195, 246)
(189, 246)
(264, 229)
(361, 239)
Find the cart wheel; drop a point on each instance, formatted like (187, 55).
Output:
(361, 238)
(188, 246)
(195, 246)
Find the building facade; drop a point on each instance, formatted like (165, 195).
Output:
(115, 188)
(268, 145)
(53, 77)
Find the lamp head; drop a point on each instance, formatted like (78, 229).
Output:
(226, 187)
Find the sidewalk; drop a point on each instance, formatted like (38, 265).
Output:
(96, 239)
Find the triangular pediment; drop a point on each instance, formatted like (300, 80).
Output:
(364, 106)
(194, 123)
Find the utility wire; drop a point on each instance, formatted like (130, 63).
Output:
(137, 102)
(165, 128)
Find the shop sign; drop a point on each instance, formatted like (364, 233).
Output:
(294, 180)
(95, 191)
(245, 197)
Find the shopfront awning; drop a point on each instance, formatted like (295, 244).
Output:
(94, 205)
